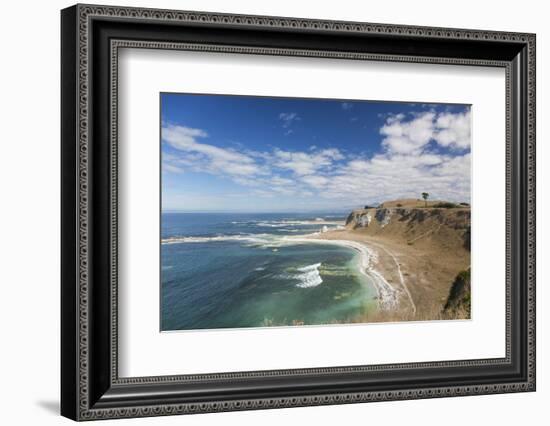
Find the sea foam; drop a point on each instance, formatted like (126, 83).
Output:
(250, 238)
(309, 276)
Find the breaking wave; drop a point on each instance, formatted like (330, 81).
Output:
(266, 240)
(309, 276)
(251, 238)
(314, 222)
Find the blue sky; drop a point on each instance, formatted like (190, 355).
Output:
(247, 154)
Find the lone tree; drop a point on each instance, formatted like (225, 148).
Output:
(425, 195)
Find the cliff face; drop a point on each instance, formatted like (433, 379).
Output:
(446, 226)
(423, 244)
(458, 302)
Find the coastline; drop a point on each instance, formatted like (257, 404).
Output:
(279, 265)
(409, 271)
(417, 278)
(387, 295)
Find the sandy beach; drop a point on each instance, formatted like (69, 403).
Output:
(388, 295)
(413, 282)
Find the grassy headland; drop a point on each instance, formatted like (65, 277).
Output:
(422, 249)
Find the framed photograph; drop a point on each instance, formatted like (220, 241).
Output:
(263, 212)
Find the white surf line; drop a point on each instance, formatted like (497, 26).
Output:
(401, 277)
(388, 296)
(251, 238)
(277, 223)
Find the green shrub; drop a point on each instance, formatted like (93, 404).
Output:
(445, 205)
(459, 300)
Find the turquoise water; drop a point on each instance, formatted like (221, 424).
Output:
(239, 270)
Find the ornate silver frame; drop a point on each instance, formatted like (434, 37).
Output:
(91, 388)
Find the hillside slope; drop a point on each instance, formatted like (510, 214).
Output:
(415, 226)
(421, 249)
(459, 301)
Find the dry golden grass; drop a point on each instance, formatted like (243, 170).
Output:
(429, 313)
(419, 251)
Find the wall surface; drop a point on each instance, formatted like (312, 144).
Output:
(29, 217)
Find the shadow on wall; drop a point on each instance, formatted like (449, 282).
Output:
(50, 406)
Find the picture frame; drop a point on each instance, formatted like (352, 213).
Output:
(90, 384)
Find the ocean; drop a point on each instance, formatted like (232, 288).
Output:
(243, 270)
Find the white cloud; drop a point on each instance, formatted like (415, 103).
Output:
(288, 118)
(167, 167)
(346, 106)
(263, 193)
(392, 118)
(453, 130)
(302, 163)
(205, 157)
(332, 153)
(388, 176)
(406, 165)
(402, 136)
(315, 181)
(278, 180)
(407, 137)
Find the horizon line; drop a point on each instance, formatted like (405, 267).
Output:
(255, 211)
